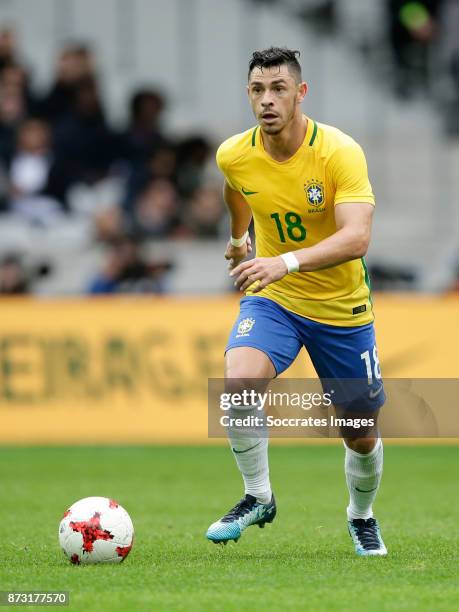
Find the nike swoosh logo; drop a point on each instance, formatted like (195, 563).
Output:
(363, 490)
(373, 393)
(246, 450)
(248, 192)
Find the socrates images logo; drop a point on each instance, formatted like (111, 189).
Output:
(244, 327)
(314, 193)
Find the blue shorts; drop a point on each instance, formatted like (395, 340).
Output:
(341, 353)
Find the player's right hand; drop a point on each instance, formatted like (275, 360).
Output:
(235, 255)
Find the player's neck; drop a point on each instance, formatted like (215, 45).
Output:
(284, 145)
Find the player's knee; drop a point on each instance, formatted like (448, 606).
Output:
(246, 377)
(239, 382)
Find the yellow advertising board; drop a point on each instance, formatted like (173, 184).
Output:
(125, 370)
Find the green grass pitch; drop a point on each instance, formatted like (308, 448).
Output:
(303, 561)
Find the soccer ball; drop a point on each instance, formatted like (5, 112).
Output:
(96, 530)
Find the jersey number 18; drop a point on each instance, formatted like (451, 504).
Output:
(293, 224)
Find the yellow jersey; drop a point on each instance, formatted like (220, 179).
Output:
(292, 203)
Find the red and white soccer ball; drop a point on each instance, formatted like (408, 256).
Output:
(96, 530)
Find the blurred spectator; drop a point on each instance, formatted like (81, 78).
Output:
(8, 46)
(14, 80)
(15, 97)
(75, 63)
(126, 271)
(413, 28)
(13, 276)
(143, 135)
(108, 224)
(156, 212)
(192, 156)
(449, 63)
(205, 212)
(16, 278)
(13, 77)
(36, 182)
(160, 163)
(12, 112)
(83, 138)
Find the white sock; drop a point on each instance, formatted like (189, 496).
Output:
(251, 454)
(363, 475)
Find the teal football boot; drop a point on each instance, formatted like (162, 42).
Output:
(245, 513)
(366, 536)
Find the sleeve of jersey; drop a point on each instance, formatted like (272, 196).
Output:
(350, 175)
(223, 161)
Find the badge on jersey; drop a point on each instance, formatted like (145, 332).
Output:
(315, 194)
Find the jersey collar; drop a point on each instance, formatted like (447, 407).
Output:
(309, 139)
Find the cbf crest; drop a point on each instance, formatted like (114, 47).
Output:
(244, 327)
(315, 194)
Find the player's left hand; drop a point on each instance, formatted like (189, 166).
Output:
(265, 270)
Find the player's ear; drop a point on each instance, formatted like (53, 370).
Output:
(302, 91)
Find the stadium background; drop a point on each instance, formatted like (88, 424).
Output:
(115, 302)
(111, 114)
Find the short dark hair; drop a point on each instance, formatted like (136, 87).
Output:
(276, 56)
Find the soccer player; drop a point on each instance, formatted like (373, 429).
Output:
(306, 186)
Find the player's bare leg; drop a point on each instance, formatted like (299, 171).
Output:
(363, 467)
(244, 366)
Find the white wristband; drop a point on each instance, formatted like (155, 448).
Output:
(238, 242)
(292, 263)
